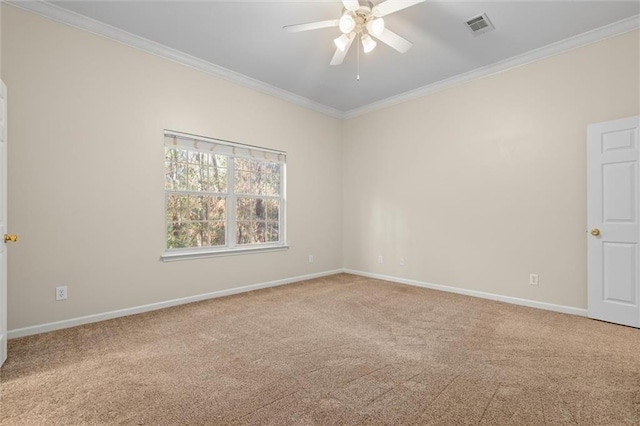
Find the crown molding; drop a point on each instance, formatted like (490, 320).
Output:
(82, 22)
(580, 40)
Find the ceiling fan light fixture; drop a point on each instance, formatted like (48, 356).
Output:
(368, 44)
(342, 42)
(347, 23)
(376, 27)
(362, 19)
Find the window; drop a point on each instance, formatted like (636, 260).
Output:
(222, 197)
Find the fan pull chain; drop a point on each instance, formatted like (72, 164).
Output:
(358, 55)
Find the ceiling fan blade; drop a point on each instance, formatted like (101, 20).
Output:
(392, 39)
(351, 5)
(390, 6)
(311, 26)
(339, 56)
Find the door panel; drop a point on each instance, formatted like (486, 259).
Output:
(620, 267)
(623, 139)
(612, 208)
(619, 189)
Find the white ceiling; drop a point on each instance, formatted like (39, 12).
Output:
(247, 37)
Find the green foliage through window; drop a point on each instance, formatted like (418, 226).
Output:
(208, 193)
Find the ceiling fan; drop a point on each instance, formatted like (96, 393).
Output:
(362, 19)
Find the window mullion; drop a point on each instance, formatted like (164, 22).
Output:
(231, 203)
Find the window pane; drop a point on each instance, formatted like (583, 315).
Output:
(256, 166)
(242, 164)
(273, 210)
(260, 212)
(175, 155)
(180, 182)
(217, 231)
(199, 158)
(206, 159)
(175, 176)
(273, 168)
(198, 178)
(170, 175)
(196, 209)
(207, 234)
(219, 160)
(177, 235)
(251, 232)
(257, 182)
(218, 209)
(195, 234)
(273, 234)
(217, 179)
(261, 232)
(245, 208)
(203, 208)
(177, 208)
(245, 232)
(242, 182)
(272, 184)
(253, 208)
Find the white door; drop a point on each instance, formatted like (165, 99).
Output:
(613, 189)
(3, 222)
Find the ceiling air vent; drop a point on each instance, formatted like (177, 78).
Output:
(480, 24)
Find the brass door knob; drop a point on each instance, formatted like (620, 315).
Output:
(12, 238)
(595, 232)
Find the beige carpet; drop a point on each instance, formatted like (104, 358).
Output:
(336, 350)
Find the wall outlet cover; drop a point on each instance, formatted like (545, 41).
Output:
(61, 293)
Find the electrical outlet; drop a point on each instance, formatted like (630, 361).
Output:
(402, 263)
(533, 279)
(380, 259)
(61, 293)
(311, 259)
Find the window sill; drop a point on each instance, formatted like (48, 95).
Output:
(172, 256)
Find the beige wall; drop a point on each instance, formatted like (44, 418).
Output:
(479, 185)
(86, 117)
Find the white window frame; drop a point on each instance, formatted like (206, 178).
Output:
(231, 247)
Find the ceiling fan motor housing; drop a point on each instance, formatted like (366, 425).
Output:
(360, 17)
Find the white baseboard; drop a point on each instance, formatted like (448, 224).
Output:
(73, 322)
(481, 294)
